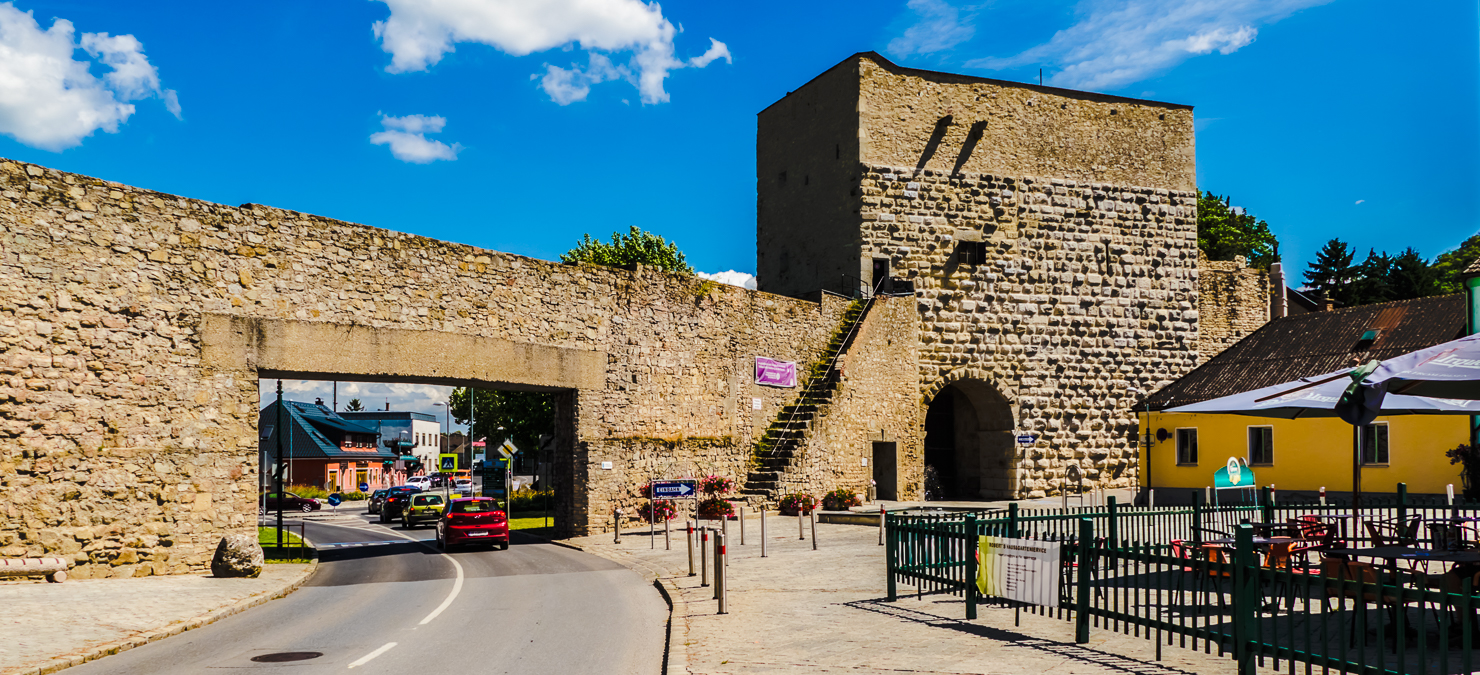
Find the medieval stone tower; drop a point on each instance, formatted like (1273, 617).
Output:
(1048, 237)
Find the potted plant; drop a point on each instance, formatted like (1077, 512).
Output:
(714, 507)
(1468, 456)
(840, 500)
(797, 502)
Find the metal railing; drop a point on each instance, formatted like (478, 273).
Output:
(1144, 572)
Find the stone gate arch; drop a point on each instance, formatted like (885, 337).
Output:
(969, 438)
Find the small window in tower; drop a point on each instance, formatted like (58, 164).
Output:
(972, 253)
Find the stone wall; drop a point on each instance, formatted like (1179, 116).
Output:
(1081, 209)
(134, 326)
(1235, 302)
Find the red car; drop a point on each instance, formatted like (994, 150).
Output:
(474, 520)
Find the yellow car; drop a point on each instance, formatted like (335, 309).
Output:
(423, 508)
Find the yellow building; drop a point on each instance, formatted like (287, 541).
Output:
(1311, 453)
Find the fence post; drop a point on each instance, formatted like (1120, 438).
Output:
(1197, 509)
(1402, 505)
(1113, 533)
(1245, 598)
(1081, 600)
(1266, 500)
(1012, 520)
(972, 547)
(891, 557)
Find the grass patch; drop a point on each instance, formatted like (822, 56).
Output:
(267, 536)
(532, 522)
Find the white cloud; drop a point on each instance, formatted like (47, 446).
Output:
(732, 278)
(50, 100)
(408, 141)
(419, 33)
(938, 27)
(372, 395)
(1118, 42)
(1359, 201)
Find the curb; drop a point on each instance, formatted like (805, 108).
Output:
(675, 650)
(110, 648)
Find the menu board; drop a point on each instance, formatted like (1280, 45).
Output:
(1025, 570)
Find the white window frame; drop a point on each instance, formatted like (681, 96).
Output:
(1249, 454)
(1177, 445)
(1389, 448)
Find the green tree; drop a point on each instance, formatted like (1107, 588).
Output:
(1330, 276)
(1410, 276)
(1370, 282)
(636, 246)
(1448, 266)
(1225, 231)
(524, 415)
(354, 405)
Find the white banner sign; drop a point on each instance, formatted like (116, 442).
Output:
(1025, 570)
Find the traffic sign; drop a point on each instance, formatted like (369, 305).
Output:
(1027, 439)
(675, 489)
(364, 487)
(336, 498)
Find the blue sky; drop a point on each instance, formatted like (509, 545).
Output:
(1305, 108)
(519, 125)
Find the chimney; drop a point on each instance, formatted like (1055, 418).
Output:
(1327, 304)
(1280, 307)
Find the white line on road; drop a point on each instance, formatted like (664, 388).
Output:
(456, 584)
(366, 658)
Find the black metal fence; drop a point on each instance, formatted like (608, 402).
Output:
(1145, 572)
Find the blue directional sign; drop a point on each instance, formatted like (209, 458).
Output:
(675, 489)
(1027, 439)
(364, 487)
(335, 499)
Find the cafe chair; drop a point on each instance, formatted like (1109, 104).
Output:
(1342, 570)
(1449, 537)
(1391, 532)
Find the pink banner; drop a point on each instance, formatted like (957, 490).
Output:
(775, 373)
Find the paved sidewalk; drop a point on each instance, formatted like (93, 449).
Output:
(48, 627)
(805, 611)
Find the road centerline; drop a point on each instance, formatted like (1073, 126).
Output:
(457, 583)
(366, 658)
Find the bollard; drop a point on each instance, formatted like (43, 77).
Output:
(742, 526)
(1151, 497)
(721, 561)
(1323, 494)
(763, 531)
(801, 526)
(652, 523)
(724, 531)
(703, 561)
(813, 513)
(667, 543)
(690, 526)
(881, 524)
(617, 525)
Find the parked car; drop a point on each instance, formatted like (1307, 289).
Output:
(464, 487)
(475, 520)
(396, 499)
(290, 502)
(423, 508)
(376, 499)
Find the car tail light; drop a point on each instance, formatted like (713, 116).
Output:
(499, 516)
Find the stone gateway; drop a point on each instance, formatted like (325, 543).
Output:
(952, 261)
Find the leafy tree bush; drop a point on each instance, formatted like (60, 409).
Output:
(636, 246)
(1225, 231)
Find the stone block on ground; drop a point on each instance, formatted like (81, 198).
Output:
(238, 555)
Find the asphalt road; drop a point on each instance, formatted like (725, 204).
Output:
(402, 607)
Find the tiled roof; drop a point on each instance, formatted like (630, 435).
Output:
(307, 439)
(1319, 342)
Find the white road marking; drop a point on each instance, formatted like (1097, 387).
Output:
(457, 584)
(366, 658)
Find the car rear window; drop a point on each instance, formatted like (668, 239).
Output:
(480, 506)
(428, 500)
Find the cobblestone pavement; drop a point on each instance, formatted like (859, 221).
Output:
(48, 627)
(823, 611)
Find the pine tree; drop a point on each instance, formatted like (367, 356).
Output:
(1370, 281)
(1410, 276)
(1330, 276)
(354, 405)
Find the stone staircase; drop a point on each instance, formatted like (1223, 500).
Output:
(778, 451)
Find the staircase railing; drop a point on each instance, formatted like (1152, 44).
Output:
(827, 371)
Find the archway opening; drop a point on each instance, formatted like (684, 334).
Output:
(969, 444)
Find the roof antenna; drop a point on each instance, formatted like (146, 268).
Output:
(1040, 77)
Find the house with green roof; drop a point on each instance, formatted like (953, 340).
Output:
(323, 449)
